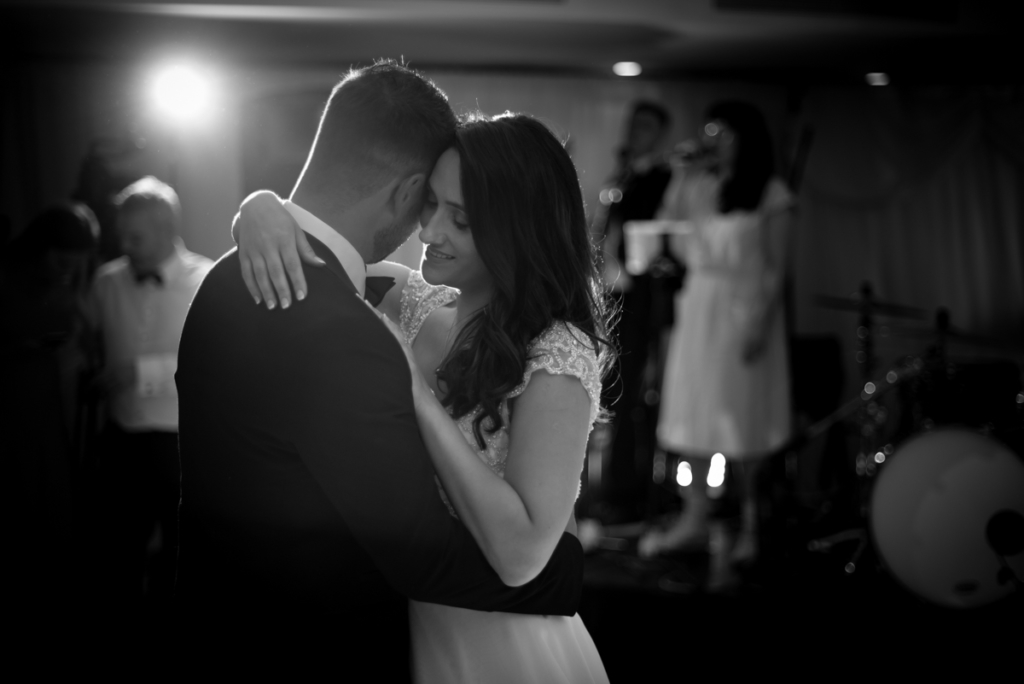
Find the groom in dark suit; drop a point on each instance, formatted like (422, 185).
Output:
(308, 498)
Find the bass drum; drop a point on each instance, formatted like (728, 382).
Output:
(930, 508)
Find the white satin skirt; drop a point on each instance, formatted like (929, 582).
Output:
(461, 646)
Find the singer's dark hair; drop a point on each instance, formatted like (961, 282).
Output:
(755, 155)
(525, 211)
(654, 109)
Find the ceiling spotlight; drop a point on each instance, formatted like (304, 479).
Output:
(182, 93)
(626, 69)
(877, 78)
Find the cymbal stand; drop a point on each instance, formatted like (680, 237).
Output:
(870, 417)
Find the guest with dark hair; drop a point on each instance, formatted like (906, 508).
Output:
(139, 303)
(44, 354)
(110, 164)
(645, 304)
(726, 387)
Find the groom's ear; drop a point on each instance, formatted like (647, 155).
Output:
(408, 195)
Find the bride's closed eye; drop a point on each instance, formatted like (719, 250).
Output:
(429, 208)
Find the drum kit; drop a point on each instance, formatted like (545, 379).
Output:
(941, 496)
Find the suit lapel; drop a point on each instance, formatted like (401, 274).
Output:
(333, 265)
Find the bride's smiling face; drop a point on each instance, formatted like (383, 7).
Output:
(451, 257)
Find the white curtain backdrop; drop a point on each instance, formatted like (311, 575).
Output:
(922, 194)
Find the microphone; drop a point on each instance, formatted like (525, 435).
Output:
(691, 152)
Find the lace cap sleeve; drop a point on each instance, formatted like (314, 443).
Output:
(564, 349)
(419, 300)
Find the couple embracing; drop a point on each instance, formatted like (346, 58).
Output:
(379, 465)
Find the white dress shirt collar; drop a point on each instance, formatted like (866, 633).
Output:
(350, 259)
(171, 268)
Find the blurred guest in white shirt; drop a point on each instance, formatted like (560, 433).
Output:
(140, 301)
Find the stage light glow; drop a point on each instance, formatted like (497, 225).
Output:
(684, 474)
(183, 93)
(877, 78)
(627, 69)
(879, 458)
(716, 473)
(869, 388)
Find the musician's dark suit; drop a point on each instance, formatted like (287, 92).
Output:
(308, 497)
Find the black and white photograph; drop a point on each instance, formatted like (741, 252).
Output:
(512, 341)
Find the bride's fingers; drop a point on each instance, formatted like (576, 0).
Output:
(259, 270)
(247, 276)
(293, 267)
(275, 272)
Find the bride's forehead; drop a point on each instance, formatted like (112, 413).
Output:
(445, 176)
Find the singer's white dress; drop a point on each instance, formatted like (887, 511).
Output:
(461, 646)
(712, 401)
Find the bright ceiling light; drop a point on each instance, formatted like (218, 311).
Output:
(183, 93)
(626, 69)
(877, 78)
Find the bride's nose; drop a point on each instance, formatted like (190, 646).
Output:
(429, 234)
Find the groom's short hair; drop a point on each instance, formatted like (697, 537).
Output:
(380, 123)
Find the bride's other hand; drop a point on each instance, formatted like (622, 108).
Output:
(420, 388)
(270, 246)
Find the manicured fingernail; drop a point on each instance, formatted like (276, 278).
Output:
(271, 304)
(320, 262)
(285, 302)
(257, 300)
(300, 295)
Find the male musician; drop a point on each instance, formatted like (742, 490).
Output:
(642, 178)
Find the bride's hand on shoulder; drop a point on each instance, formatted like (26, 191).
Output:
(420, 389)
(271, 249)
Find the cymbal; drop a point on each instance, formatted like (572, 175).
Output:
(953, 335)
(872, 306)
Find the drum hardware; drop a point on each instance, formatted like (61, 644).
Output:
(868, 460)
(865, 303)
(1005, 534)
(868, 307)
(826, 543)
(947, 518)
(946, 513)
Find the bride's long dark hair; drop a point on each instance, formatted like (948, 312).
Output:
(525, 210)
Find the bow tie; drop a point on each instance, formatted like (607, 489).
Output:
(377, 287)
(142, 276)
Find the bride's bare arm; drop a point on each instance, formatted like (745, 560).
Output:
(272, 247)
(518, 520)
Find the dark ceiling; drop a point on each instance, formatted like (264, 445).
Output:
(773, 40)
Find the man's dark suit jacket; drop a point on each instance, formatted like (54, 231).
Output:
(307, 492)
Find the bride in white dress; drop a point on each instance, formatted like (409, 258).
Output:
(504, 330)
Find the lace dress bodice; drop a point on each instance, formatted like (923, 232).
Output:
(562, 349)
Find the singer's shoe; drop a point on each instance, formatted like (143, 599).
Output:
(687, 533)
